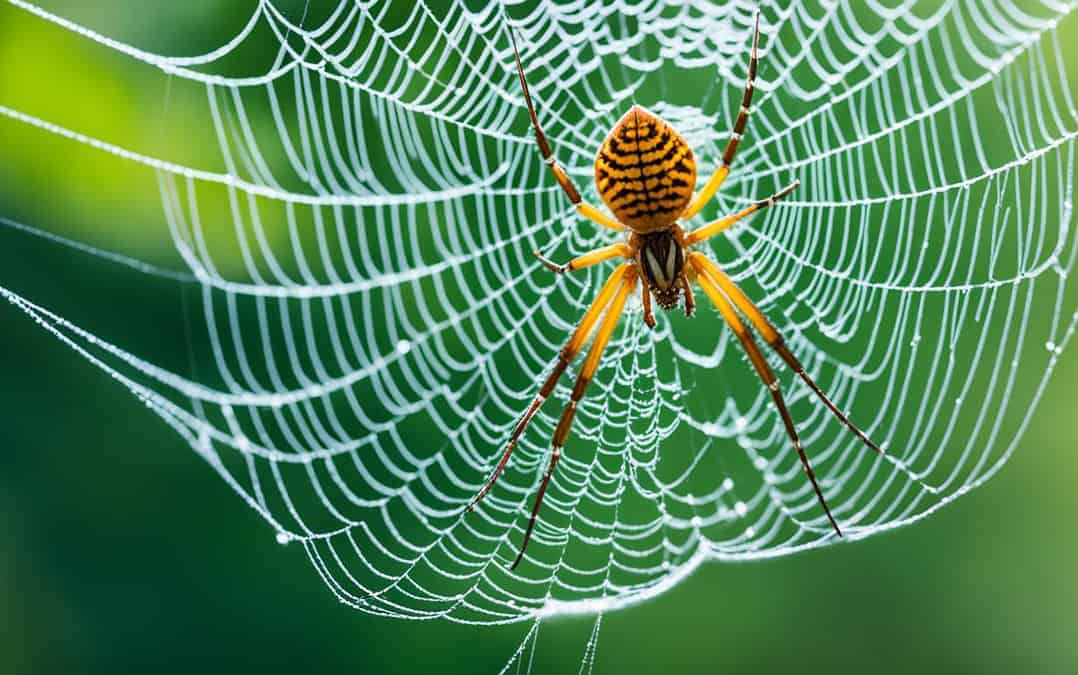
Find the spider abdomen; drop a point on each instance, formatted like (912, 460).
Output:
(645, 172)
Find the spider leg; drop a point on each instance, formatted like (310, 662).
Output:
(772, 337)
(566, 183)
(715, 182)
(748, 343)
(620, 250)
(711, 229)
(645, 290)
(690, 300)
(568, 353)
(591, 363)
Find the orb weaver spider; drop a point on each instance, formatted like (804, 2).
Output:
(645, 173)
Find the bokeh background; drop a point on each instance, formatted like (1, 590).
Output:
(121, 551)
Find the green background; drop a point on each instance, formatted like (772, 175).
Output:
(120, 551)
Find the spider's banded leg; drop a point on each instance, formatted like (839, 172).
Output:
(568, 353)
(690, 301)
(583, 208)
(711, 229)
(588, 259)
(717, 178)
(591, 363)
(748, 343)
(774, 340)
(645, 297)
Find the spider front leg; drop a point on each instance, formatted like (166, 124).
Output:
(568, 353)
(711, 229)
(715, 182)
(588, 259)
(748, 343)
(591, 364)
(583, 208)
(774, 340)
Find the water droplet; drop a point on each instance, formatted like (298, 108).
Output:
(242, 444)
(1050, 345)
(283, 538)
(741, 508)
(750, 532)
(728, 484)
(916, 340)
(741, 423)
(760, 463)
(403, 347)
(696, 521)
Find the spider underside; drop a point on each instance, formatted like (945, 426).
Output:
(645, 173)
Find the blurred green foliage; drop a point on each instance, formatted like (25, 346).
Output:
(120, 551)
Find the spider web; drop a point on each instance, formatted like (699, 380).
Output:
(372, 322)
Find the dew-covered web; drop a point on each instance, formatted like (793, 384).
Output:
(374, 321)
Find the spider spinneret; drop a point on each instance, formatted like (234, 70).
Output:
(645, 173)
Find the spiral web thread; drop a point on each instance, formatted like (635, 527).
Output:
(386, 322)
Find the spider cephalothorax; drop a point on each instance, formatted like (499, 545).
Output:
(646, 173)
(660, 258)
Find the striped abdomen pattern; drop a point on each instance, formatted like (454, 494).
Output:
(645, 171)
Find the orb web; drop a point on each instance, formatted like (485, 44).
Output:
(371, 320)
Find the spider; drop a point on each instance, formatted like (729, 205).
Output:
(645, 173)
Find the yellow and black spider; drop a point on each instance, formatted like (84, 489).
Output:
(645, 173)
